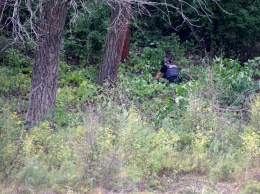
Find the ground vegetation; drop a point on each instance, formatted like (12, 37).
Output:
(138, 135)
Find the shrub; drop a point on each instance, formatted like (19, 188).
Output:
(234, 81)
(15, 58)
(251, 187)
(14, 83)
(251, 136)
(132, 133)
(10, 143)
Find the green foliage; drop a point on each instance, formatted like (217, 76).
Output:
(146, 64)
(83, 42)
(14, 57)
(14, 82)
(172, 45)
(47, 157)
(15, 71)
(10, 133)
(194, 73)
(76, 86)
(253, 187)
(244, 19)
(135, 132)
(251, 136)
(34, 173)
(140, 130)
(73, 76)
(251, 141)
(130, 133)
(225, 169)
(143, 157)
(151, 56)
(41, 141)
(227, 31)
(235, 81)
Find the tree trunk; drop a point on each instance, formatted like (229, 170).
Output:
(126, 44)
(116, 43)
(45, 68)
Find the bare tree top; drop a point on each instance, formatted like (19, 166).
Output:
(23, 15)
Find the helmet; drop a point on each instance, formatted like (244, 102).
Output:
(165, 59)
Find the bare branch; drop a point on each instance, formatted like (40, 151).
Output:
(28, 30)
(2, 8)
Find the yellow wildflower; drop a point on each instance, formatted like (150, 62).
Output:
(15, 114)
(162, 130)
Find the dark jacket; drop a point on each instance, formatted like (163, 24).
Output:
(171, 73)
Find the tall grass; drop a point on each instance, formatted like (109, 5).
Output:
(128, 137)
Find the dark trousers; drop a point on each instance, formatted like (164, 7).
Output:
(174, 79)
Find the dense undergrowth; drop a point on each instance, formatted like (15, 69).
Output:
(127, 137)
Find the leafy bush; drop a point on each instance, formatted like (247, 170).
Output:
(14, 82)
(252, 187)
(135, 132)
(84, 46)
(225, 169)
(234, 82)
(10, 141)
(251, 136)
(172, 46)
(15, 58)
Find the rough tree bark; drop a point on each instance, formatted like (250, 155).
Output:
(117, 42)
(126, 44)
(45, 68)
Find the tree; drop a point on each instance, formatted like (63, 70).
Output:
(45, 68)
(117, 42)
(43, 22)
(122, 12)
(237, 33)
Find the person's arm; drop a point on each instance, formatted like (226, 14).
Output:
(161, 71)
(158, 75)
